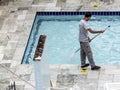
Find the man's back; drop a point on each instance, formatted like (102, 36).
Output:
(83, 32)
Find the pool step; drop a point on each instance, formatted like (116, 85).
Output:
(40, 47)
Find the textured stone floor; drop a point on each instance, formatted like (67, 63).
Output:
(16, 19)
(72, 78)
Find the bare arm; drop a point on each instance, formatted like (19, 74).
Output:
(94, 32)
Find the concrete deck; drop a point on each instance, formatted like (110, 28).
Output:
(16, 19)
(72, 78)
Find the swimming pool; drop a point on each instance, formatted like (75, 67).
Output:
(62, 39)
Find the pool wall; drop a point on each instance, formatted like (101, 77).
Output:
(79, 13)
(29, 38)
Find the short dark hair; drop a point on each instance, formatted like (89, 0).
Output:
(88, 14)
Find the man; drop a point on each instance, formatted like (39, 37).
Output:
(84, 42)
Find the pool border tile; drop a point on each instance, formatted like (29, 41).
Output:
(105, 13)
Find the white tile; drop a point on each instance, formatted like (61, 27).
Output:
(116, 78)
(24, 69)
(22, 16)
(11, 45)
(112, 71)
(52, 8)
(112, 86)
(0, 12)
(93, 75)
(1, 56)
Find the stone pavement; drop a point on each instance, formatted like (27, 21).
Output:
(71, 77)
(16, 19)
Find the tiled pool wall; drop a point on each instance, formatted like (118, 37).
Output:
(34, 22)
(105, 13)
(100, 13)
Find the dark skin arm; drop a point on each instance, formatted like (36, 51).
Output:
(94, 32)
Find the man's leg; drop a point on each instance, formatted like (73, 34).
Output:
(82, 56)
(88, 52)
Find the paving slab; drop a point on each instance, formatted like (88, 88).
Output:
(16, 19)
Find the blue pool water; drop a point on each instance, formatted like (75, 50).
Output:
(62, 39)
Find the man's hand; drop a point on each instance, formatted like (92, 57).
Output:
(89, 39)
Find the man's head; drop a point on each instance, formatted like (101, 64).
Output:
(87, 16)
